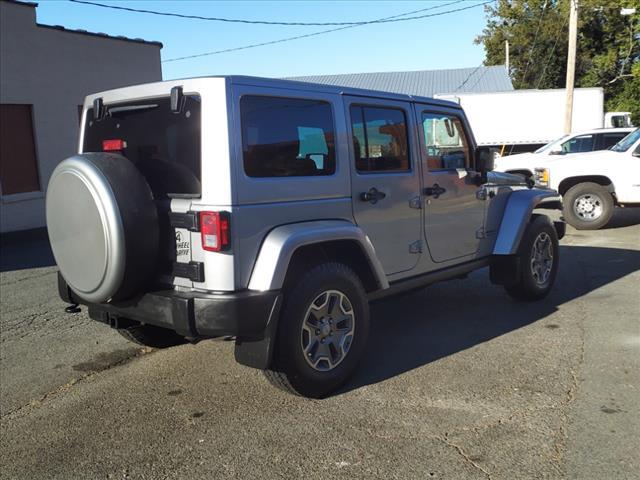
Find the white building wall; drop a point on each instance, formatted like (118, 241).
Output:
(53, 70)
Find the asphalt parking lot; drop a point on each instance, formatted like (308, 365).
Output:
(459, 382)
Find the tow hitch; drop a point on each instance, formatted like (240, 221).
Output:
(73, 308)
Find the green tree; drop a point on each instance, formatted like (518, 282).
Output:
(608, 46)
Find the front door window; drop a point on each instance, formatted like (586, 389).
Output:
(447, 146)
(581, 143)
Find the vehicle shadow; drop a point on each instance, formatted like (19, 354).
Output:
(26, 249)
(624, 217)
(412, 330)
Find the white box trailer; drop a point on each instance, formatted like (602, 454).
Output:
(524, 119)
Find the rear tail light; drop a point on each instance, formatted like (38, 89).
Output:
(114, 145)
(214, 228)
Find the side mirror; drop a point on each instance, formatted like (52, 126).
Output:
(557, 151)
(485, 159)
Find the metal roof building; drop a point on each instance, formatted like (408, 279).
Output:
(425, 83)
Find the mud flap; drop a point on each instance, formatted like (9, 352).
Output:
(504, 270)
(258, 352)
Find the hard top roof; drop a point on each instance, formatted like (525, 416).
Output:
(301, 85)
(140, 90)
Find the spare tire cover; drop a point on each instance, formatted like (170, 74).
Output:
(103, 226)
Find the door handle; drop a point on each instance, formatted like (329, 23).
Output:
(434, 191)
(372, 196)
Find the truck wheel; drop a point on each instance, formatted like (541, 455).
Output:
(537, 261)
(151, 336)
(587, 206)
(322, 333)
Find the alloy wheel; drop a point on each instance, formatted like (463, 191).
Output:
(588, 207)
(327, 330)
(542, 259)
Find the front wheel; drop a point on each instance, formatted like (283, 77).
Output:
(537, 261)
(587, 206)
(322, 333)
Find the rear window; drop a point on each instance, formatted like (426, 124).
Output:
(165, 146)
(610, 139)
(287, 137)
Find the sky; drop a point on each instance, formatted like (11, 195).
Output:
(423, 44)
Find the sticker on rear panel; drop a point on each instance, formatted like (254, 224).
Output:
(183, 245)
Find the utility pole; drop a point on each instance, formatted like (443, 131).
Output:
(571, 63)
(506, 55)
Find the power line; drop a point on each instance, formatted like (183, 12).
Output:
(468, 77)
(298, 37)
(265, 22)
(553, 49)
(535, 39)
(480, 77)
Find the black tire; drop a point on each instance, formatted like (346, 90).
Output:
(151, 336)
(291, 370)
(527, 285)
(596, 196)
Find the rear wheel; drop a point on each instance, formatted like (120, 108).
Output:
(587, 206)
(151, 336)
(322, 333)
(536, 262)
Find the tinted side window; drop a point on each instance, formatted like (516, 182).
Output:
(287, 137)
(583, 143)
(380, 139)
(447, 146)
(610, 139)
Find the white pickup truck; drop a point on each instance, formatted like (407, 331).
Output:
(578, 142)
(593, 183)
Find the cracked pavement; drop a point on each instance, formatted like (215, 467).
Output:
(459, 382)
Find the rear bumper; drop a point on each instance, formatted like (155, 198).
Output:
(243, 314)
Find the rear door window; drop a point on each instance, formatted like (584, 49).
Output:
(608, 140)
(380, 139)
(287, 137)
(164, 146)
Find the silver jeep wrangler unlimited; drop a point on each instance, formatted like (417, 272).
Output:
(273, 211)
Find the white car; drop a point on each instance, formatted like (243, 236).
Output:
(579, 142)
(593, 183)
